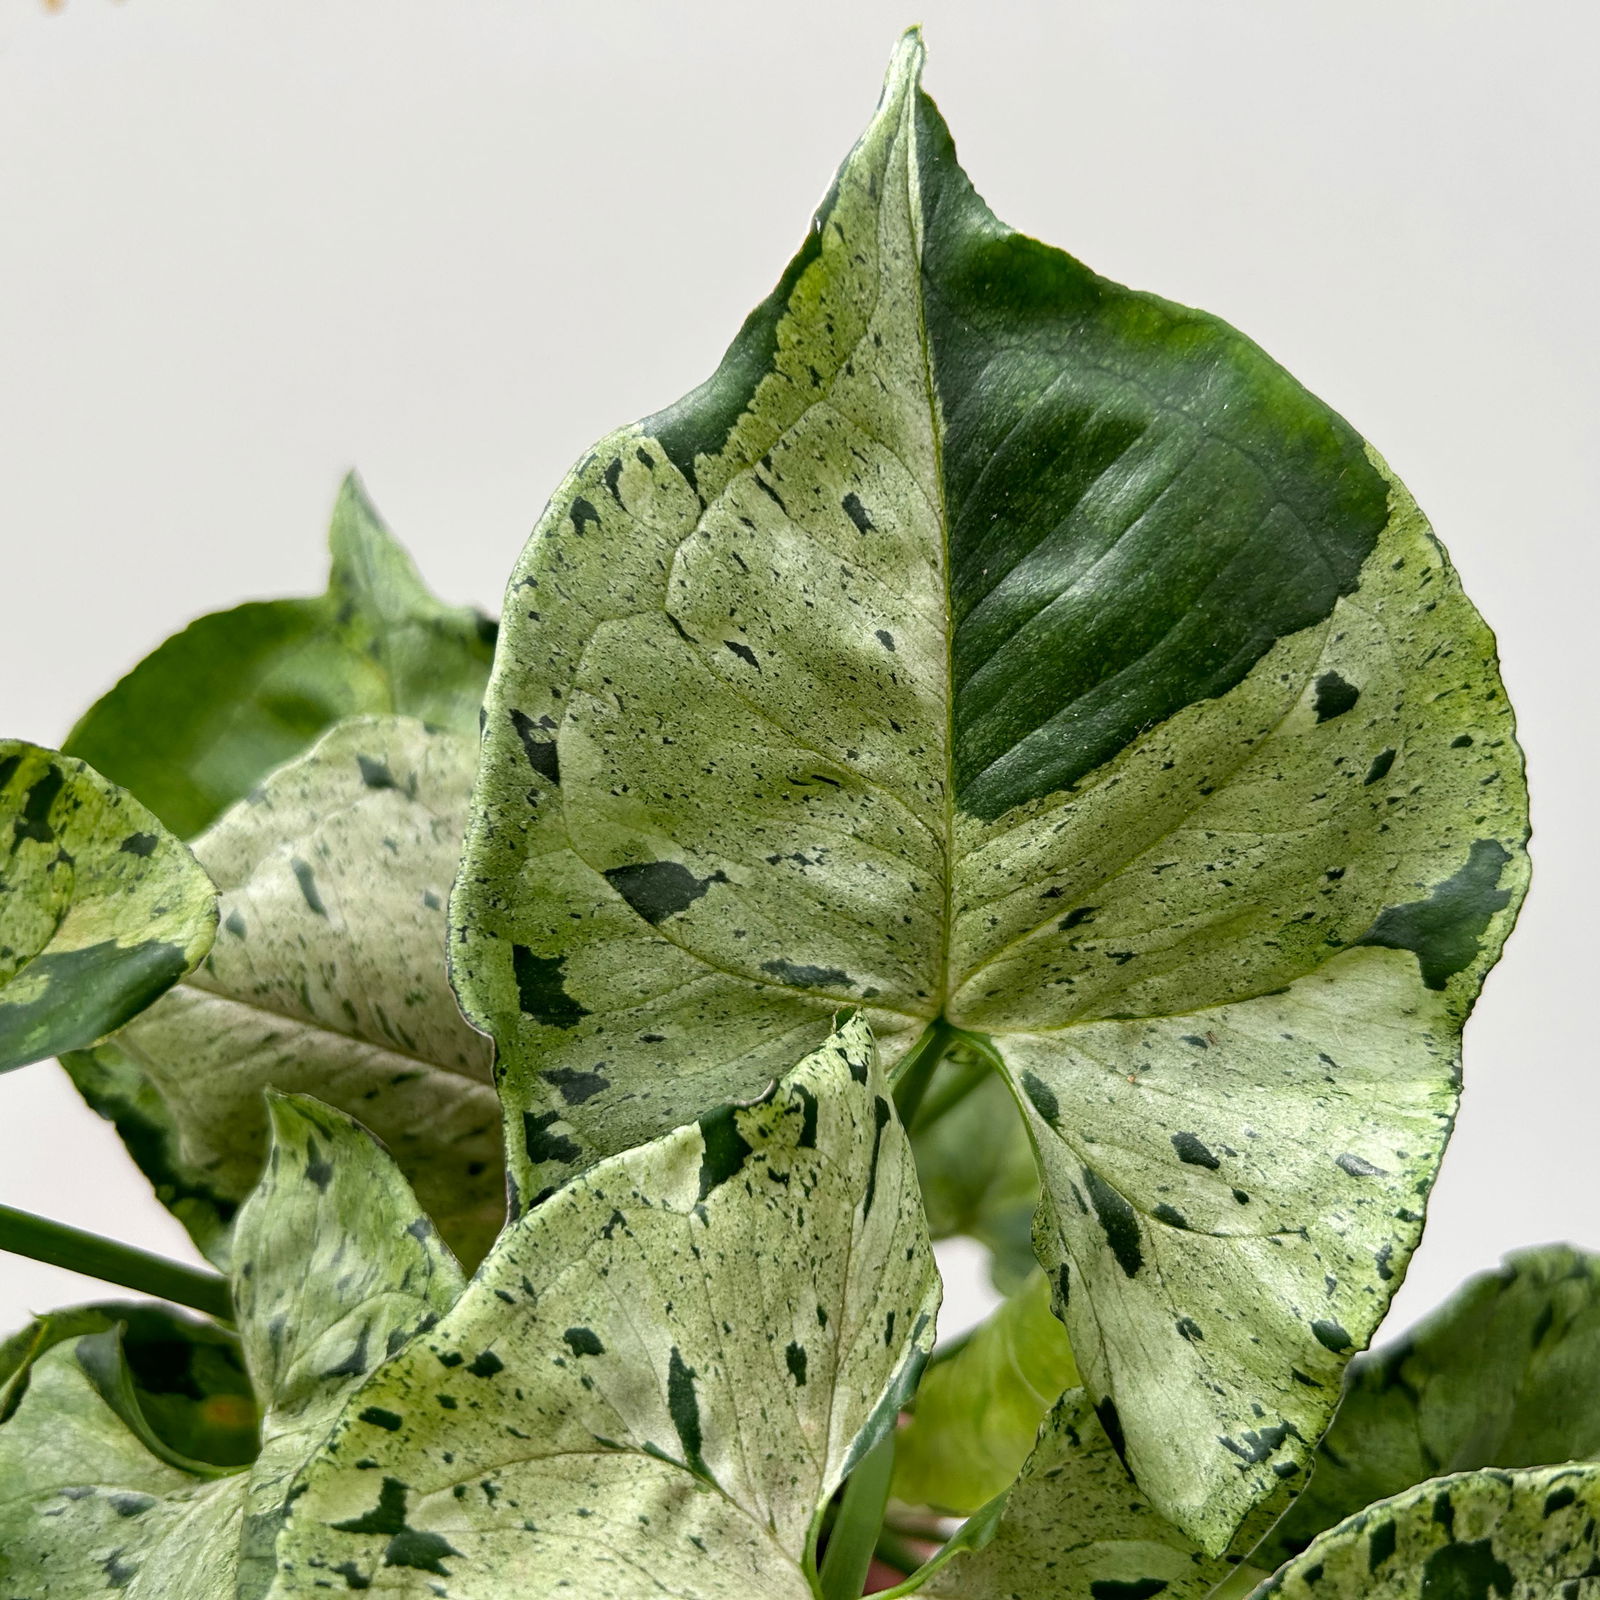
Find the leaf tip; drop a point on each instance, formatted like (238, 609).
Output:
(905, 65)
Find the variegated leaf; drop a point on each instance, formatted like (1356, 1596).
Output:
(337, 1267)
(115, 1086)
(87, 1509)
(199, 722)
(217, 707)
(1073, 1527)
(990, 643)
(1502, 1375)
(101, 909)
(1487, 1535)
(328, 976)
(656, 1379)
(184, 1375)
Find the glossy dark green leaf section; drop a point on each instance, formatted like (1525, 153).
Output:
(1502, 1375)
(209, 713)
(101, 909)
(1139, 501)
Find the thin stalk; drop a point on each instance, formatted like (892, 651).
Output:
(961, 1082)
(916, 1071)
(898, 1553)
(24, 1234)
(860, 1520)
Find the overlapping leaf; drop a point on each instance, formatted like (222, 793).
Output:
(1073, 1526)
(337, 1267)
(657, 1378)
(1502, 1375)
(115, 1086)
(986, 642)
(198, 723)
(1488, 1535)
(977, 1413)
(101, 909)
(328, 977)
(185, 1377)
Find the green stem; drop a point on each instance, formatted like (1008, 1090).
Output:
(916, 1071)
(24, 1234)
(962, 1081)
(896, 1552)
(860, 1519)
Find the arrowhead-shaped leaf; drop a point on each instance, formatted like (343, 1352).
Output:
(988, 642)
(101, 909)
(1488, 1535)
(198, 723)
(337, 1268)
(1501, 1375)
(328, 977)
(657, 1378)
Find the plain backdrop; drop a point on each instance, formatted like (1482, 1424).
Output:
(245, 244)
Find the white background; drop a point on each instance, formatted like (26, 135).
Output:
(247, 243)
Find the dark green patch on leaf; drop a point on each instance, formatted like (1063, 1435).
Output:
(1443, 931)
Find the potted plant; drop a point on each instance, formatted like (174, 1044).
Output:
(1000, 758)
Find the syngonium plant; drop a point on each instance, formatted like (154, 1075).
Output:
(998, 750)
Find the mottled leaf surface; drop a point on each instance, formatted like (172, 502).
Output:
(86, 1508)
(1487, 1535)
(1074, 1527)
(337, 1267)
(328, 976)
(1502, 1375)
(657, 1377)
(199, 722)
(978, 1412)
(101, 909)
(988, 642)
(115, 1086)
